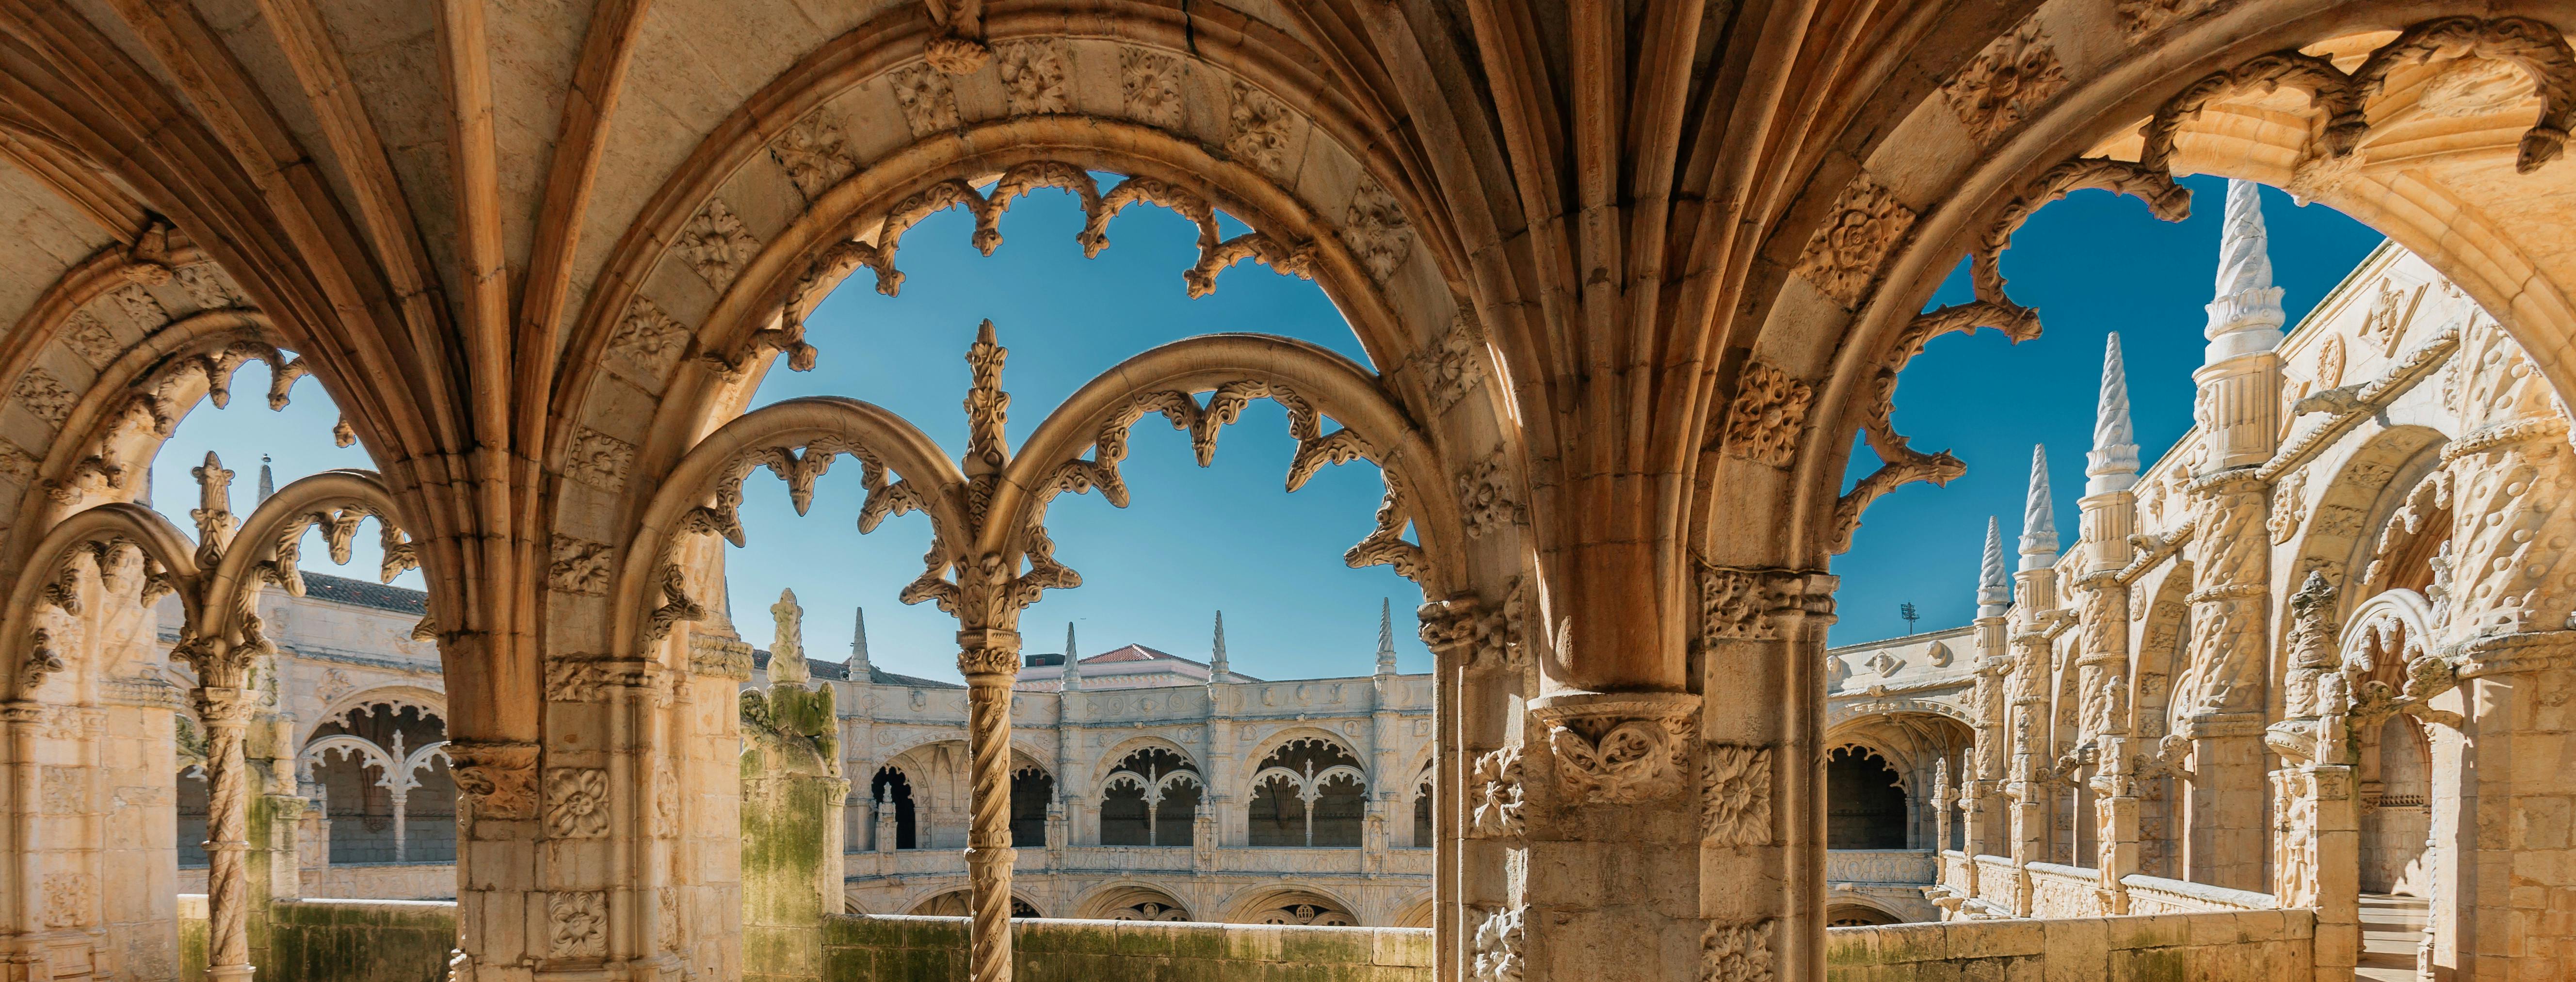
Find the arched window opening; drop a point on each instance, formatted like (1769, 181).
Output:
(1309, 792)
(1031, 790)
(1303, 909)
(1150, 799)
(892, 793)
(1422, 814)
(383, 784)
(1864, 808)
(2395, 823)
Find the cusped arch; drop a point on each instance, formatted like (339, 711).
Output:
(1110, 761)
(1248, 904)
(50, 582)
(1117, 900)
(392, 697)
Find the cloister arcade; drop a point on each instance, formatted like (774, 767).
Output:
(1629, 279)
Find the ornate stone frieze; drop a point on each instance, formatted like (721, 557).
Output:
(44, 396)
(579, 566)
(1494, 795)
(815, 152)
(1260, 129)
(1736, 952)
(1499, 935)
(1376, 229)
(1620, 748)
(1740, 604)
(1735, 795)
(577, 924)
(90, 338)
(716, 244)
(1866, 224)
(1033, 76)
(928, 100)
(2013, 76)
(1487, 502)
(497, 778)
(206, 287)
(139, 305)
(1762, 423)
(598, 459)
(1151, 82)
(1453, 367)
(576, 803)
(68, 898)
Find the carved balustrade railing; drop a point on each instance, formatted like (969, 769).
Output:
(1881, 866)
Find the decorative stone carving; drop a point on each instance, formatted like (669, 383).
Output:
(576, 802)
(2289, 498)
(1738, 604)
(2387, 316)
(1884, 664)
(61, 791)
(2013, 76)
(206, 287)
(44, 396)
(1736, 952)
(1618, 750)
(598, 459)
(1152, 83)
(648, 338)
(577, 924)
(815, 153)
(1735, 795)
(1486, 501)
(2140, 18)
(1461, 631)
(928, 100)
(2474, 87)
(68, 898)
(1454, 366)
(1376, 229)
(677, 605)
(716, 244)
(1260, 135)
(498, 778)
(139, 305)
(574, 679)
(1762, 423)
(580, 566)
(1033, 74)
(1498, 945)
(90, 338)
(1844, 257)
(1494, 795)
(668, 934)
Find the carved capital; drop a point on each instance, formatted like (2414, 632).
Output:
(989, 651)
(1618, 748)
(1465, 632)
(497, 777)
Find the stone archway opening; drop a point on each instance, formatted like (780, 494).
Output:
(1865, 806)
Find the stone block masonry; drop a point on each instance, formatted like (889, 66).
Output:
(2223, 946)
(933, 949)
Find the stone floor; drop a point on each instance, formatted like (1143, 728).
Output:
(2390, 928)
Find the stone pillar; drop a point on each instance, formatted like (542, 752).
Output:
(226, 712)
(1941, 802)
(2033, 627)
(1761, 807)
(1481, 792)
(888, 831)
(990, 660)
(2316, 852)
(2109, 514)
(2505, 849)
(1981, 779)
(792, 791)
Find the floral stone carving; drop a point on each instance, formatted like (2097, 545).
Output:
(1618, 749)
(1735, 796)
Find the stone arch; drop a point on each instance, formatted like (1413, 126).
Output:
(936, 902)
(1108, 762)
(1954, 194)
(1255, 904)
(1271, 743)
(1121, 900)
(1866, 800)
(2338, 521)
(393, 696)
(1416, 913)
(1854, 910)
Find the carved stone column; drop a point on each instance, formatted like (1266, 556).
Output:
(1480, 868)
(2503, 612)
(2316, 834)
(2224, 797)
(1761, 808)
(226, 713)
(1941, 802)
(990, 660)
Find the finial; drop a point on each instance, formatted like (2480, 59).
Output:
(787, 647)
(2038, 516)
(267, 483)
(214, 511)
(987, 406)
(1071, 679)
(1385, 636)
(1994, 589)
(2113, 463)
(2245, 316)
(858, 664)
(1216, 651)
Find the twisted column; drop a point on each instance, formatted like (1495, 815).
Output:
(226, 712)
(990, 660)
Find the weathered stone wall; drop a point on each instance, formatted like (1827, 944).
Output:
(2253, 946)
(337, 940)
(933, 949)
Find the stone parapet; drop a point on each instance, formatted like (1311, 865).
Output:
(338, 940)
(2156, 895)
(2229, 946)
(933, 949)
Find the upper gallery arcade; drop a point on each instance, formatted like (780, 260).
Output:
(1629, 278)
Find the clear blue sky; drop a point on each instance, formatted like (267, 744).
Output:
(2093, 264)
(1228, 537)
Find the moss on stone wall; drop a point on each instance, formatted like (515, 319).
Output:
(933, 949)
(350, 940)
(2216, 946)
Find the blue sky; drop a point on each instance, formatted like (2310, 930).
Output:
(1228, 537)
(2093, 264)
